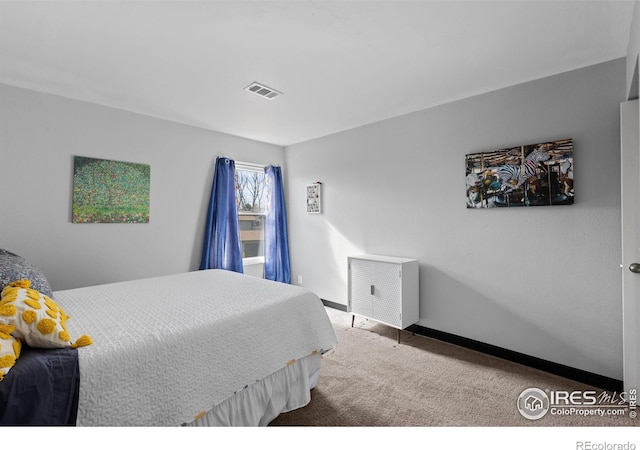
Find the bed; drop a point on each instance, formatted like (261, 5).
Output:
(203, 348)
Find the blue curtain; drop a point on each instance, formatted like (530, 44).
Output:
(221, 248)
(276, 241)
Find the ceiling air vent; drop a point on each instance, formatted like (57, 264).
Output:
(263, 91)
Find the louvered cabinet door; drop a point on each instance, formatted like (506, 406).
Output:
(387, 293)
(360, 298)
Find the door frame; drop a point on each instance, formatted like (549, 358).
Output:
(630, 218)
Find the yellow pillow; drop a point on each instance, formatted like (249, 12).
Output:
(37, 319)
(9, 349)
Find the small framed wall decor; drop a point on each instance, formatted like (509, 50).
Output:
(314, 195)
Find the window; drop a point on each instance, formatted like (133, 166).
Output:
(252, 197)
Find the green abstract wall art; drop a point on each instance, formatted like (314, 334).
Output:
(106, 191)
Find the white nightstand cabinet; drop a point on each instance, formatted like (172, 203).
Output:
(384, 289)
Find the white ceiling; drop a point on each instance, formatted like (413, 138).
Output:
(340, 64)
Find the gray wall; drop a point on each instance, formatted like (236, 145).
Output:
(543, 281)
(40, 134)
(633, 52)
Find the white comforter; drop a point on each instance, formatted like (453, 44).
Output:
(169, 348)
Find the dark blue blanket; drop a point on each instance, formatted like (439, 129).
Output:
(41, 389)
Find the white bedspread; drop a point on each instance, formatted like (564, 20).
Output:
(167, 349)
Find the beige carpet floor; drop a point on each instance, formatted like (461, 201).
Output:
(371, 380)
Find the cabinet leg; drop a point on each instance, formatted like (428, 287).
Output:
(353, 317)
(398, 335)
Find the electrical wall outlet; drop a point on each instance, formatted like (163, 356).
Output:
(300, 280)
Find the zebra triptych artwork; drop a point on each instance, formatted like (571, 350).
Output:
(528, 175)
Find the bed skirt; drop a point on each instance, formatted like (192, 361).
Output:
(261, 402)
